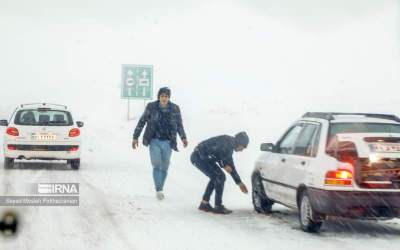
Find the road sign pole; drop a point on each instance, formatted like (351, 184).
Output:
(128, 109)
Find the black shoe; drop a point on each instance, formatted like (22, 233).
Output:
(206, 207)
(221, 210)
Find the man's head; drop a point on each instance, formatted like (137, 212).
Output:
(241, 141)
(163, 95)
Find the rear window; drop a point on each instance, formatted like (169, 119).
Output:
(343, 128)
(43, 117)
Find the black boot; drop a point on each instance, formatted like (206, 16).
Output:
(221, 210)
(206, 207)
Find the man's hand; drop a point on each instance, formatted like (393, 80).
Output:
(135, 144)
(243, 188)
(185, 142)
(228, 169)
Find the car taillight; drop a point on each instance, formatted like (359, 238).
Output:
(11, 147)
(340, 177)
(74, 132)
(74, 149)
(12, 131)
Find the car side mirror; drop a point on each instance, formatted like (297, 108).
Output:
(268, 147)
(79, 124)
(4, 123)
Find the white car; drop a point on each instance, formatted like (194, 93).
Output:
(42, 131)
(332, 164)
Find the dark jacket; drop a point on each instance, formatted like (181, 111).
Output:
(220, 150)
(151, 117)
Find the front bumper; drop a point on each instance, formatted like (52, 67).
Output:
(355, 204)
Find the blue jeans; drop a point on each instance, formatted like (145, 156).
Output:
(160, 155)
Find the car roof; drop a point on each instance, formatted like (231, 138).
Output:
(352, 119)
(361, 119)
(42, 105)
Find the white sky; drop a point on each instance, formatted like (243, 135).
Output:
(285, 56)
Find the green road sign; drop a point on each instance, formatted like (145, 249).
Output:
(137, 81)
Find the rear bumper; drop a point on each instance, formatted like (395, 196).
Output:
(50, 152)
(355, 204)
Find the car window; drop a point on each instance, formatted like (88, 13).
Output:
(306, 142)
(43, 117)
(286, 145)
(359, 127)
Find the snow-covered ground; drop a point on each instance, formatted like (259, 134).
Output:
(232, 66)
(118, 209)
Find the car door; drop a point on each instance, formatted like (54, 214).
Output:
(295, 168)
(273, 174)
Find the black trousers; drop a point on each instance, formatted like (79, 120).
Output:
(213, 171)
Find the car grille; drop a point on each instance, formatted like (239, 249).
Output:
(44, 147)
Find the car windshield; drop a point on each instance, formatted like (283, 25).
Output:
(43, 117)
(346, 128)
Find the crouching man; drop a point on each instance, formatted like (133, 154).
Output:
(210, 157)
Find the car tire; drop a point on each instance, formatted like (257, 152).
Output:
(310, 220)
(262, 204)
(75, 164)
(8, 163)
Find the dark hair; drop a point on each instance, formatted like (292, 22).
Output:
(242, 139)
(164, 90)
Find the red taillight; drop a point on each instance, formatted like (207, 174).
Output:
(12, 131)
(341, 177)
(73, 149)
(74, 132)
(11, 147)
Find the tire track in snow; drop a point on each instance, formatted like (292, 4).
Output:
(103, 209)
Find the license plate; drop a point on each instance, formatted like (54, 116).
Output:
(43, 137)
(385, 148)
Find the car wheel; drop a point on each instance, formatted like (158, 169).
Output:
(310, 221)
(8, 163)
(75, 164)
(261, 202)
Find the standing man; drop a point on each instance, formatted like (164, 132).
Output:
(163, 121)
(210, 157)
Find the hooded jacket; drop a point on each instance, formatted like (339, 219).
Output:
(220, 149)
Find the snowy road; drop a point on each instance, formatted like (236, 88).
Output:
(118, 210)
(236, 65)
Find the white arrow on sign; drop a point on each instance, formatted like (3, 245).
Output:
(129, 80)
(144, 82)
